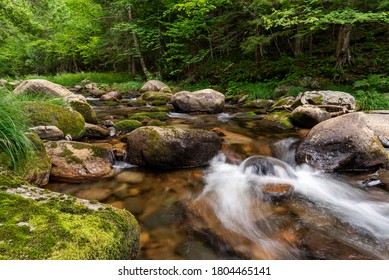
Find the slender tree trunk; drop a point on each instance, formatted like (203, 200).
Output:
(298, 44)
(343, 51)
(137, 46)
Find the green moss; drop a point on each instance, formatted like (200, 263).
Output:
(57, 226)
(278, 120)
(10, 180)
(162, 116)
(64, 229)
(85, 110)
(155, 123)
(153, 96)
(158, 102)
(127, 125)
(317, 100)
(41, 113)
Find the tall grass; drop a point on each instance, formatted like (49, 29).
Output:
(72, 79)
(13, 124)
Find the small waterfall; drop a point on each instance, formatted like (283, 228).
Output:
(234, 187)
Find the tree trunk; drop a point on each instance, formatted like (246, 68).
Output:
(343, 52)
(137, 47)
(298, 44)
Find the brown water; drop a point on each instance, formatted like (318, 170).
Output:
(203, 213)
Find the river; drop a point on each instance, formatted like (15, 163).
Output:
(220, 211)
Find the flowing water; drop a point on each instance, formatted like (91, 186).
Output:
(221, 211)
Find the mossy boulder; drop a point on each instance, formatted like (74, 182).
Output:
(127, 125)
(258, 103)
(41, 113)
(37, 224)
(344, 143)
(85, 110)
(76, 162)
(166, 147)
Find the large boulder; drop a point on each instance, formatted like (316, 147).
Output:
(44, 114)
(40, 86)
(155, 85)
(206, 100)
(76, 162)
(159, 147)
(93, 131)
(345, 143)
(326, 97)
(308, 116)
(36, 223)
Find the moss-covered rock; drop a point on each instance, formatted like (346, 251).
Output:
(127, 125)
(144, 116)
(76, 162)
(85, 110)
(167, 147)
(40, 224)
(153, 95)
(93, 131)
(155, 123)
(42, 113)
(277, 120)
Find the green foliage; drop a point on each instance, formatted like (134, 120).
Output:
(13, 125)
(254, 90)
(373, 82)
(371, 100)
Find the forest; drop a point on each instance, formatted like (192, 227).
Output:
(220, 42)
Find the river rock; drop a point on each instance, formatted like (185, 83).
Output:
(153, 96)
(85, 110)
(112, 95)
(40, 86)
(130, 177)
(41, 224)
(163, 147)
(3, 82)
(50, 132)
(206, 100)
(277, 192)
(326, 97)
(155, 85)
(76, 162)
(345, 143)
(93, 131)
(307, 116)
